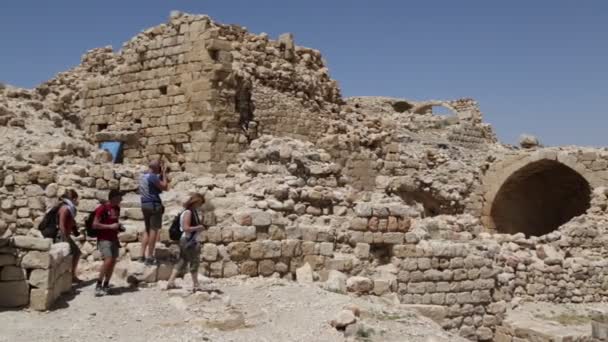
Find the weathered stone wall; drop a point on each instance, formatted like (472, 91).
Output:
(33, 272)
(177, 93)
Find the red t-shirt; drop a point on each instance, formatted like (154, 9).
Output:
(107, 214)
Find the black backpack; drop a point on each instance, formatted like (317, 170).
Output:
(175, 231)
(88, 222)
(49, 226)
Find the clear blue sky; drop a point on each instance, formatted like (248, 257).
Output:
(539, 67)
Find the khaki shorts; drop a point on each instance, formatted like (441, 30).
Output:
(188, 256)
(108, 249)
(153, 215)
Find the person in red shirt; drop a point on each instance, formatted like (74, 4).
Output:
(107, 226)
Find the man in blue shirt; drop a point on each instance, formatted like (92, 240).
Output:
(151, 184)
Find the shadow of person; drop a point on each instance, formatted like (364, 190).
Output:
(117, 291)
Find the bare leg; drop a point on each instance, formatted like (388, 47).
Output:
(110, 270)
(152, 242)
(105, 269)
(171, 282)
(75, 260)
(195, 284)
(144, 243)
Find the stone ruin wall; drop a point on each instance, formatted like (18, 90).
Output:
(187, 91)
(442, 259)
(33, 272)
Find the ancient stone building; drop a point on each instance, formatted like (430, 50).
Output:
(196, 92)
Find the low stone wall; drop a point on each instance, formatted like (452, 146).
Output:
(33, 272)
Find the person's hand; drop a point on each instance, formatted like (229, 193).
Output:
(115, 226)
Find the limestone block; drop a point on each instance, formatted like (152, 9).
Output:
(41, 299)
(246, 234)
(135, 251)
(359, 284)
(36, 260)
(249, 268)
(231, 269)
(12, 273)
(32, 243)
(138, 272)
(359, 223)
(363, 210)
(336, 282)
(14, 294)
(238, 250)
(393, 238)
(291, 248)
(326, 249)
(304, 274)
(209, 252)
(362, 250)
(266, 267)
(42, 279)
(164, 271)
(436, 313)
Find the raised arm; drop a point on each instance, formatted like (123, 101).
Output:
(162, 182)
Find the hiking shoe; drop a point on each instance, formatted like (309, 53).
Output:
(142, 260)
(150, 262)
(107, 290)
(100, 291)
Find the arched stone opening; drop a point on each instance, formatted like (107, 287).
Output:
(402, 106)
(539, 197)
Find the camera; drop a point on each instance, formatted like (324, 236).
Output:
(121, 228)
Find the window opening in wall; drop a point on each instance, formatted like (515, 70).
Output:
(163, 90)
(101, 127)
(215, 54)
(381, 252)
(114, 148)
(137, 121)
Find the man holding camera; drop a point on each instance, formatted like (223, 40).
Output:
(151, 184)
(107, 226)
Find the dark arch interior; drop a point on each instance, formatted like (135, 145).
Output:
(540, 197)
(402, 106)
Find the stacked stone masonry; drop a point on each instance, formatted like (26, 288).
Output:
(33, 272)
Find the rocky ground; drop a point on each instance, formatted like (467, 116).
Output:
(257, 309)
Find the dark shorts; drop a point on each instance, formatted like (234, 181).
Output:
(153, 215)
(189, 257)
(74, 250)
(108, 249)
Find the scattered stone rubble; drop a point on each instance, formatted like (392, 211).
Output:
(365, 196)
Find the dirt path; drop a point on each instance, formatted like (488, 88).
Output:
(248, 310)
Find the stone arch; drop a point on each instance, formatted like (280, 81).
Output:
(425, 107)
(535, 194)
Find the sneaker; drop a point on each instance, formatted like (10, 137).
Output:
(99, 291)
(150, 262)
(107, 290)
(142, 260)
